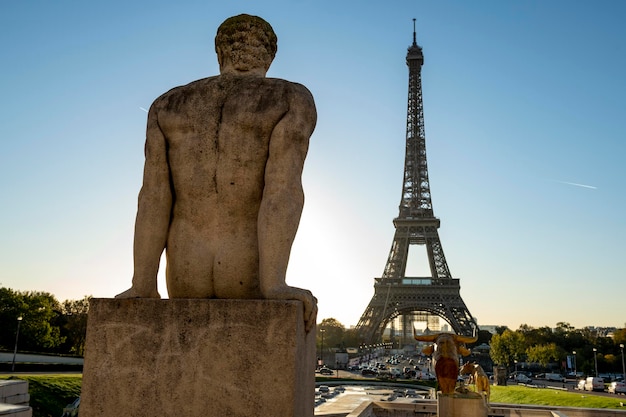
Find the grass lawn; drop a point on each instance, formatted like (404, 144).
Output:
(49, 394)
(519, 394)
(515, 394)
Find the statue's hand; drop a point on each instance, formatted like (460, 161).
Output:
(132, 292)
(292, 293)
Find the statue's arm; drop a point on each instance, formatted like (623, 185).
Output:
(153, 213)
(283, 200)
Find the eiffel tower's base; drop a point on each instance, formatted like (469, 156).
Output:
(394, 297)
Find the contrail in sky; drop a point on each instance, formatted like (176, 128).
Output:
(141, 108)
(577, 185)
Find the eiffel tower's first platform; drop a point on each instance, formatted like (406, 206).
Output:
(395, 294)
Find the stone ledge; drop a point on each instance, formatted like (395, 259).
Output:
(9, 388)
(15, 410)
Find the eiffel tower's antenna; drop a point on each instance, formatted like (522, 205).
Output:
(414, 36)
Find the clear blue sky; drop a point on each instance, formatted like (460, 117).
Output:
(523, 99)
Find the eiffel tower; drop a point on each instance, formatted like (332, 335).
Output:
(395, 294)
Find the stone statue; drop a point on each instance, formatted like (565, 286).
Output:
(222, 191)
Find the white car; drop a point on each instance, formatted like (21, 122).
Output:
(521, 378)
(617, 388)
(594, 384)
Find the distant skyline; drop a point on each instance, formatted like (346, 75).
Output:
(524, 112)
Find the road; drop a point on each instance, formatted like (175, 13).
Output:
(7, 357)
(566, 386)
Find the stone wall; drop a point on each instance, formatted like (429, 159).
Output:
(14, 399)
(197, 357)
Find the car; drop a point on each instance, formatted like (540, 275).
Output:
(326, 371)
(617, 388)
(369, 372)
(411, 393)
(425, 376)
(594, 384)
(410, 373)
(522, 379)
(555, 377)
(323, 389)
(581, 385)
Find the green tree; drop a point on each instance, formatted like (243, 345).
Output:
(545, 354)
(507, 347)
(539, 336)
(39, 312)
(74, 328)
(11, 307)
(38, 331)
(484, 336)
(501, 329)
(330, 334)
(352, 338)
(619, 336)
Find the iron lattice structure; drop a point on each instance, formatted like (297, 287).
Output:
(395, 294)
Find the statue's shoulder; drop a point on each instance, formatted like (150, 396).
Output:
(290, 86)
(185, 90)
(296, 93)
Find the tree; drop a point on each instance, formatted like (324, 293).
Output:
(39, 312)
(352, 338)
(544, 354)
(533, 337)
(501, 329)
(507, 347)
(11, 307)
(74, 327)
(38, 325)
(484, 336)
(331, 331)
(619, 336)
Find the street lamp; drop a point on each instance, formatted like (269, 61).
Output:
(595, 360)
(621, 346)
(575, 373)
(17, 334)
(322, 349)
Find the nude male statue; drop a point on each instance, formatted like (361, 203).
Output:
(222, 191)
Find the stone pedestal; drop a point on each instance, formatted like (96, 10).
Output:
(196, 357)
(455, 405)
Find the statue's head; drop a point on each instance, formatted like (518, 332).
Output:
(245, 44)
